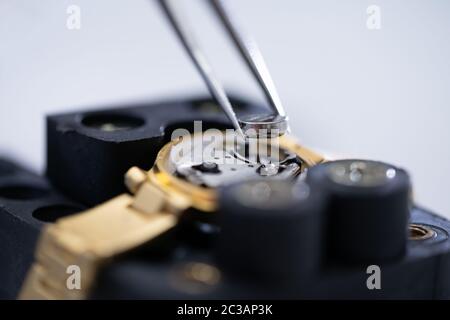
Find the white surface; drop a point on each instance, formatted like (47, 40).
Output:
(376, 94)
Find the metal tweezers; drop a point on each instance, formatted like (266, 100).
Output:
(248, 51)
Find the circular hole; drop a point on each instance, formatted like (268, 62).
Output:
(54, 212)
(22, 192)
(112, 122)
(420, 232)
(207, 107)
(210, 106)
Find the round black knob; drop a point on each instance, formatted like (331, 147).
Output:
(270, 231)
(368, 205)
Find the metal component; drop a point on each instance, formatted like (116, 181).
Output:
(247, 48)
(170, 163)
(207, 167)
(269, 169)
(111, 122)
(134, 178)
(361, 173)
(264, 125)
(232, 161)
(419, 232)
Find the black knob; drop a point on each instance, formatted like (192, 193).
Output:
(270, 231)
(368, 205)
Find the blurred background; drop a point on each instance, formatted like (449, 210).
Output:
(349, 90)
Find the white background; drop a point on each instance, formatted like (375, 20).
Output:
(348, 90)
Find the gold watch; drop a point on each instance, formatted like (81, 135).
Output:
(178, 181)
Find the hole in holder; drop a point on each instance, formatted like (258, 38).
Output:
(210, 106)
(190, 127)
(418, 232)
(54, 212)
(22, 192)
(112, 122)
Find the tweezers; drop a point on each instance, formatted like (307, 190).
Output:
(248, 51)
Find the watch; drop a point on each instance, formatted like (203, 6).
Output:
(180, 179)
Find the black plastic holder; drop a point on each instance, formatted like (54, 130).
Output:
(87, 156)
